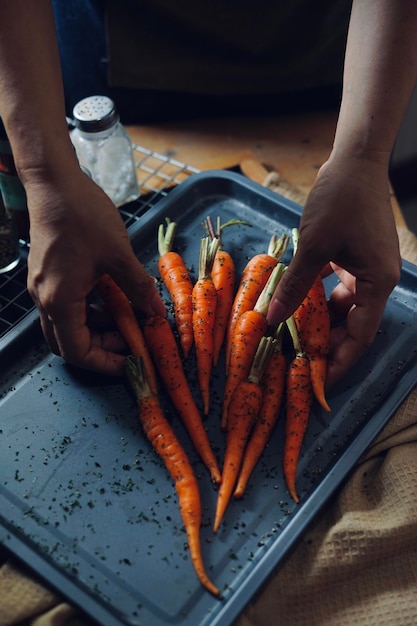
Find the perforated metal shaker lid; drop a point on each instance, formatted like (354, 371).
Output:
(95, 113)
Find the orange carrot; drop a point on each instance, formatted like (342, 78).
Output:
(273, 385)
(177, 280)
(167, 446)
(253, 280)
(223, 275)
(164, 351)
(250, 328)
(298, 406)
(247, 332)
(119, 307)
(243, 412)
(204, 299)
(313, 325)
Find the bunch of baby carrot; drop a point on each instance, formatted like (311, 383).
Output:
(209, 314)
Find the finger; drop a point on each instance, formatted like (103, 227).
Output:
(345, 351)
(345, 354)
(48, 330)
(292, 288)
(348, 343)
(99, 319)
(344, 276)
(109, 341)
(83, 348)
(327, 270)
(341, 300)
(140, 288)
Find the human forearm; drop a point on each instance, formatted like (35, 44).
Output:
(76, 232)
(347, 220)
(379, 77)
(31, 92)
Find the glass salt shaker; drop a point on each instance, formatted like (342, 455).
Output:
(104, 148)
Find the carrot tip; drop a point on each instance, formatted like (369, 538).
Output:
(216, 525)
(216, 476)
(221, 507)
(325, 406)
(294, 495)
(211, 587)
(322, 401)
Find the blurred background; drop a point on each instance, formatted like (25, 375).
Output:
(404, 166)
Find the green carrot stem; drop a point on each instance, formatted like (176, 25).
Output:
(267, 292)
(278, 245)
(217, 232)
(166, 236)
(295, 235)
(291, 325)
(263, 353)
(208, 251)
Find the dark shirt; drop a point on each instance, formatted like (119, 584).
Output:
(225, 47)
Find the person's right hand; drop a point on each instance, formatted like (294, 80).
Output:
(77, 234)
(347, 222)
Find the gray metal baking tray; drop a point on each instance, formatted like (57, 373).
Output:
(85, 502)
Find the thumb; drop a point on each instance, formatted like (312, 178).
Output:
(140, 287)
(292, 288)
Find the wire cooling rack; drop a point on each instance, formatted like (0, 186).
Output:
(157, 175)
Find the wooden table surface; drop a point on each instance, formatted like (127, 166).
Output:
(295, 146)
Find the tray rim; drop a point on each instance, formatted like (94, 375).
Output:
(220, 175)
(66, 585)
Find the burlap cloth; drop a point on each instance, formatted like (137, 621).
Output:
(356, 565)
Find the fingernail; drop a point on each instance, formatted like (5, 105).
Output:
(158, 306)
(276, 313)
